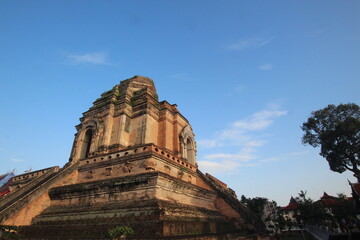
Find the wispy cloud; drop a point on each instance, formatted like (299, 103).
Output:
(285, 157)
(240, 157)
(254, 143)
(17, 160)
(272, 159)
(229, 167)
(299, 153)
(236, 90)
(97, 58)
(321, 31)
(219, 166)
(246, 134)
(259, 120)
(317, 32)
(266, 67)
(250, 43)
(239, 132)
(227, 162)
(239, 89)
(208, 143)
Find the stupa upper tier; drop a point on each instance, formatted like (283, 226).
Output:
(130, 115)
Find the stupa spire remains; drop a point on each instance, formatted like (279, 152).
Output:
(130, 114)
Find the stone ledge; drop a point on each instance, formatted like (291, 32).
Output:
(132, 154)
(120, 182)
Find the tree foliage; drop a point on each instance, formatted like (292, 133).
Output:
(311, 212)
(274, 219)
(344, 209)
(256, 205)
(336, 129)
(118, 232)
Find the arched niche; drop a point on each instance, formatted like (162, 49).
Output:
(188, 145)
(86, 143)
(88, 138)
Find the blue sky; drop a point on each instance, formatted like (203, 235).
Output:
(246, 74)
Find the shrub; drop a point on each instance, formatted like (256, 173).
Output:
(117, 232)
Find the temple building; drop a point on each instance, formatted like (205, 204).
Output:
(133, 163)
(291, 211)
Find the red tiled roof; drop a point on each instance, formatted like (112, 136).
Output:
(329, 202)
(293, 205)
(325, 195)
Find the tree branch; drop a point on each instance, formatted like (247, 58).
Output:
(348, 168)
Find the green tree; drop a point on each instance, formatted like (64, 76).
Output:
(311, 212)
(274, 219)
(120, 232)
(344, 209)
(336, 129)
(256, 205)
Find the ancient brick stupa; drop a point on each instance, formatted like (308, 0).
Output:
(133, 163)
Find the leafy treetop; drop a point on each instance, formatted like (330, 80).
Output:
(311, 212)
(336, 129)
